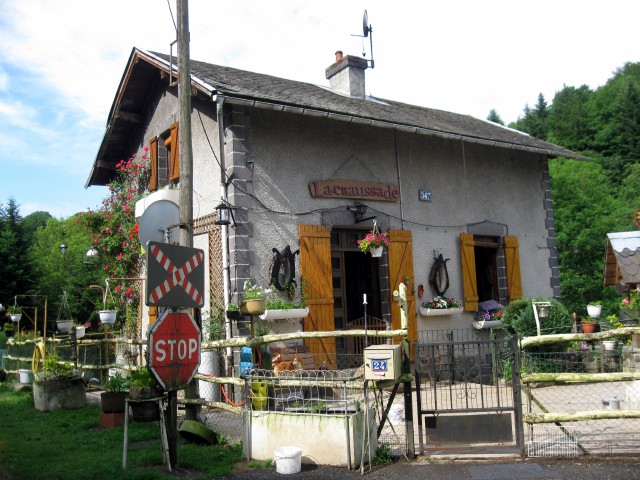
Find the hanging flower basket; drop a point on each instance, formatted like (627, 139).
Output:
(64, 326)
(374, 242)
(15, 317)
(108, 316)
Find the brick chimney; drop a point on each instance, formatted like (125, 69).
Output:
(347, 75)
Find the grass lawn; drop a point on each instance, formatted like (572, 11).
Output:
(69, 444)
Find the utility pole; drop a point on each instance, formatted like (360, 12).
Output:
(185, 196)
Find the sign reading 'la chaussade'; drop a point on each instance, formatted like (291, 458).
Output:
(385, 192)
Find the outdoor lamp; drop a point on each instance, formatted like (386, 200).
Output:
(91, 257)
(63, 248)
(540, 310)
(224, 214)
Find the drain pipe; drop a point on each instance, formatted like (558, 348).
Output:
(225, 228)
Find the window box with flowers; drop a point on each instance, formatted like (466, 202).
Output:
(440, 306)
(489, 315)
(374, 242)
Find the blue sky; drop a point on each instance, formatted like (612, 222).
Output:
(61, 62)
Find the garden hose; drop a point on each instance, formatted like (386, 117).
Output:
(38, 356)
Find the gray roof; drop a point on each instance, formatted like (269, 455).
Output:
(266, 91)
(626, 248)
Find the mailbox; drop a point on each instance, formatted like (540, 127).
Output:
(382, 362)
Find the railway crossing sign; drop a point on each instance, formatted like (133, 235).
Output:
(174, 349)
(175, 276)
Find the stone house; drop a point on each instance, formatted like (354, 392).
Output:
(311, 167)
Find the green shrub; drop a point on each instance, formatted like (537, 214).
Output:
(519, 318)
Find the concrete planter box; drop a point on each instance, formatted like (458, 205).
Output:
(53, 394)
(324, 439)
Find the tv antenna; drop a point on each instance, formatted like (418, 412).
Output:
(367, 31)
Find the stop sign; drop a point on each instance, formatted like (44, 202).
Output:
(174, 349)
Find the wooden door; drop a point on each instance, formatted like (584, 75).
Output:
(315, 267)
(401, 270)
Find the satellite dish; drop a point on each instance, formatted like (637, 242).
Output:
(157, 223)
(365, 24)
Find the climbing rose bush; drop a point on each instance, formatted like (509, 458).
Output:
(114, 230)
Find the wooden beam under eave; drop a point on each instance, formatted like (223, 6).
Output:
(129, 117)
(105, 165)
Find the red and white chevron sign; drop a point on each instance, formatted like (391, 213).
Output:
(175, 276)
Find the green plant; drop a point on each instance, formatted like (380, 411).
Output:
(595, 303)
(3, 340)
(9, 328)
(116, 383)
(14, 309)
(255, 292)
(216, 323)
(262, 328)
(632, 301)
(232, 307)
(53, 367)
(141, 378)
(383, 455)
(519, 318)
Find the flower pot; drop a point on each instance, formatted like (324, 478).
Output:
(15, 317)
(253, 307)
(282, 314)
(113, 402)
(629, 316)
(594, 311)
(590, 364)
(108, 316)
(609, 344)
(588, 327)
(145, 411)
(234, 314)
(376, 251)
(25, 376)
(64, 326)
(80, 331)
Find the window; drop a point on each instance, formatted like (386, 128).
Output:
(164, 159)
(490, 269)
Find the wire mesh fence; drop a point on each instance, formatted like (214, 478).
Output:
(585, 392)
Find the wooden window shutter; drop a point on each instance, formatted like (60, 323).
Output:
(315, 268)
(153, 164)
(469, 282)
(400, 256)
(174, 173)
(512, 258)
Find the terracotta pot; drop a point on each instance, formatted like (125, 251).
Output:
(588, 327)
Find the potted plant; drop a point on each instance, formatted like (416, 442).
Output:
(286, 308)
(112, 400)
(374, 242)
(81, 329)
(15, 312)
(64, 326)
(594, 309)
(109, 313)
(440, 306)
(233, 312)
(255, 298)
(630, 308)
(588, 326)
(143, 388)
(58, 385)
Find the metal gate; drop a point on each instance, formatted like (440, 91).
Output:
(468, 390)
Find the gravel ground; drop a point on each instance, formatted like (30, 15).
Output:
(421, 468)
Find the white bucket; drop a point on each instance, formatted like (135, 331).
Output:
(288, 459)
(25, 376)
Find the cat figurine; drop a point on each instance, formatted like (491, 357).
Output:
(280, 365)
